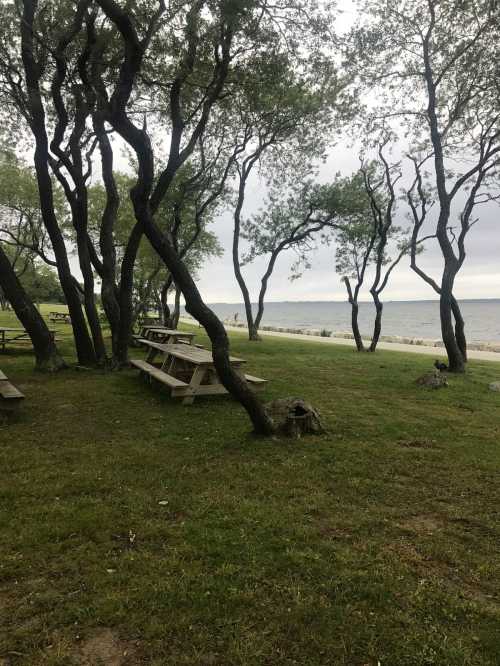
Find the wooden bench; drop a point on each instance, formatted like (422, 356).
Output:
(10, 395)
(176, 385)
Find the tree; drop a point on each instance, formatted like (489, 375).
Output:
(228, 29)
(283, 112)
(289, 221)
(434, 63)
(41, 284)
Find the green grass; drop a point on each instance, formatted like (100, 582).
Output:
(376, 542)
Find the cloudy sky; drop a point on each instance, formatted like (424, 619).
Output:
(479, 278)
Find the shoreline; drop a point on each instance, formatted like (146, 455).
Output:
(394, 343)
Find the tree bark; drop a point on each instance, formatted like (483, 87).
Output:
(353, 300)
(377, 327)
(47, 356)
(125, 294)
(459, 329)
(253, 333)
(456, 362)
(177, 308)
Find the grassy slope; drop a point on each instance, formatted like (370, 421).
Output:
(378, 541)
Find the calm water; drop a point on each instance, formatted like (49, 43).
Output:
(406, 318)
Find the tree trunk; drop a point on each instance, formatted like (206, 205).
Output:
(355, 326)
(455, 359)
(177, 308)
(80, 224)
(125, 294)
(253, 334)
(230, 378)
(353, 300)
(83, 342)
(377, 328)
(459, 328)
(166, 312)
(46, 354)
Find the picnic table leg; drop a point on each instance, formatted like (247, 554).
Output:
(151, 355)
(195, 382)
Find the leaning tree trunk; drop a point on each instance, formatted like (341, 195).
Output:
(236, 385)
(46, 354)
(377, 327)
(459, 328)
(353, 300)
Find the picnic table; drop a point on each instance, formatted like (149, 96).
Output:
(188, 370)
(60, 317)
(16, 335)
(165, 335)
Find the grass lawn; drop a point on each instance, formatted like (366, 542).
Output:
(134, 530)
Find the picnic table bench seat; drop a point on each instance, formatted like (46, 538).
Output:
(9, 394)
(160, 376)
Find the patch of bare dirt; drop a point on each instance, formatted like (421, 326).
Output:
(422, 524)
(104, 648)
(426, 566)
(418, 443)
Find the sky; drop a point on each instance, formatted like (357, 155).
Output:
(479, 278)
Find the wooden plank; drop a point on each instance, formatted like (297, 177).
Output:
(9, 392)
(158, 374)
(210, 389)
(3, 376)
(255, 380)
(190, 353)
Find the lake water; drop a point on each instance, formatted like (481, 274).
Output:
(418, 319)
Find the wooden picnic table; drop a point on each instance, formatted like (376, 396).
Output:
(60, 316)
(16, 335)
(166, 335)
(188, 370)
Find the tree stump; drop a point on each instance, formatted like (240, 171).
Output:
(433, 380)
(294, 417)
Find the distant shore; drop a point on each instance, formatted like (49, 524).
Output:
(486, 351)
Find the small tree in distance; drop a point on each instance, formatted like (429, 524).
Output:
(288, 222)
(365, 241)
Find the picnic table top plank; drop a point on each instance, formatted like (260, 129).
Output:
(169, 331)
(8, 329)
(195, 355)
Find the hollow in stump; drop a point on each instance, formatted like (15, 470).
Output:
(294, 417)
